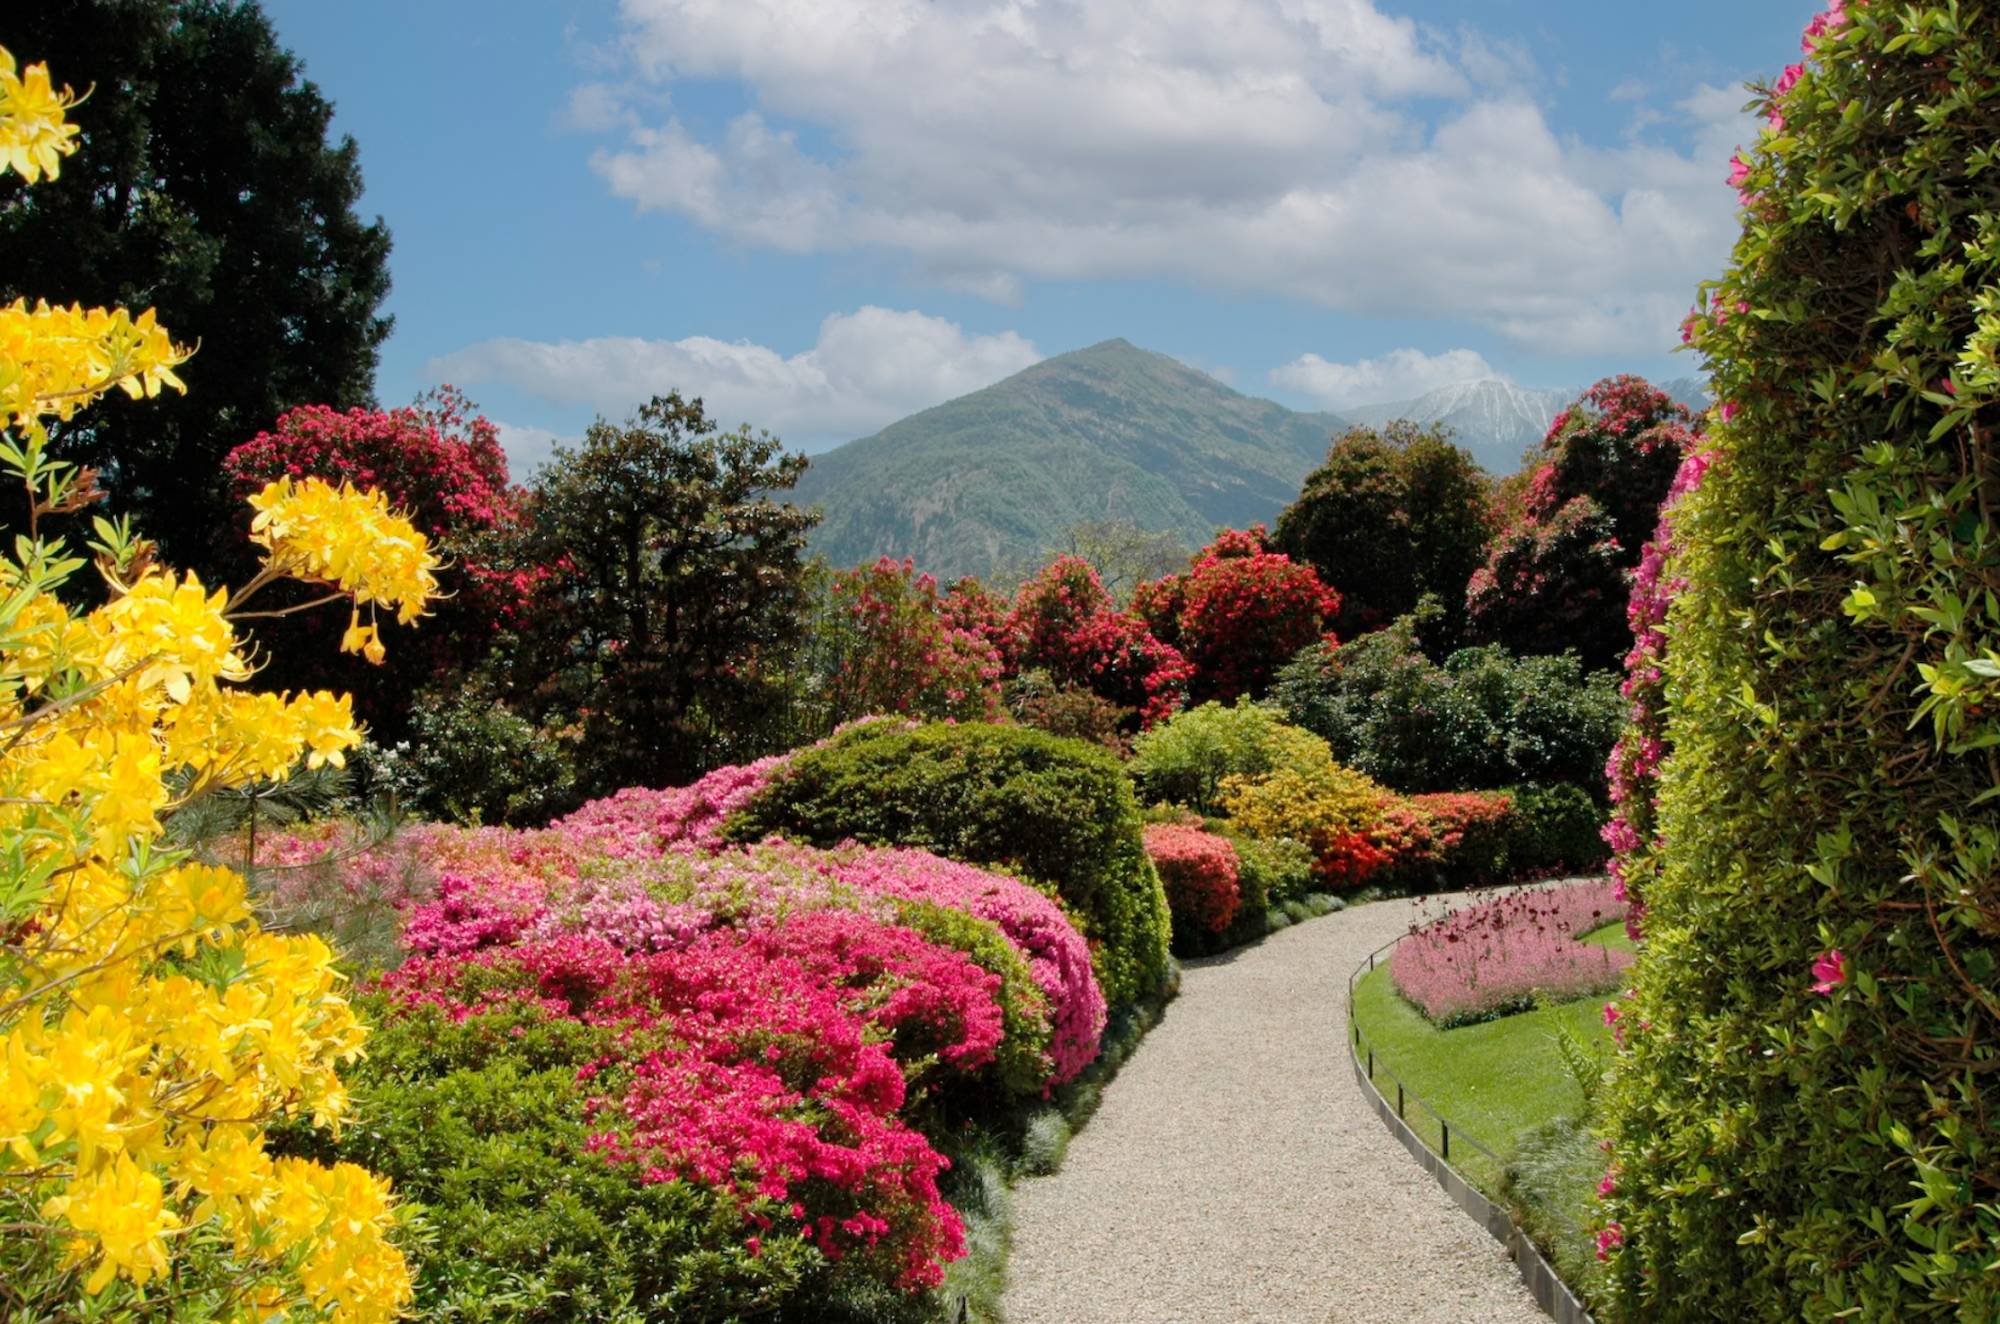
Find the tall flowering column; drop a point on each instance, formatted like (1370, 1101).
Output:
(149, 1029)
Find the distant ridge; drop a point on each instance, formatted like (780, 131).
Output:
(989, 482)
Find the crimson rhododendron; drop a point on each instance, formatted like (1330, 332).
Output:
(1238, 614)
(1065, 623)
(1199, 871)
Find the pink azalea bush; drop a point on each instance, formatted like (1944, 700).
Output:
(1199, 871)
(1500, 955)
(771, 1063)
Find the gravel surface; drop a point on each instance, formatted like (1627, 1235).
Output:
(1236, 1175)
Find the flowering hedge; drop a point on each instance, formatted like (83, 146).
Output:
(1059, 812)
(1500, 955)
(1806, 1129)
(1198, 870)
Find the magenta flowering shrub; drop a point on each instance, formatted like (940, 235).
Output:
(1633, 770)
(770, 1064)
(1056, 953)
(1198, 870)
(1498, 956)
(640, 822)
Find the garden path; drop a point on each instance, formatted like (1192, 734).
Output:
(1236, 1175)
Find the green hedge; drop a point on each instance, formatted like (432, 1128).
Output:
(1058, 811)
(1555, 830)
(1793, 1144)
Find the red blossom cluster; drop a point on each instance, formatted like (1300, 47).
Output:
(1555, 579)
(1238, 614)
(1198, 870)
(770, 1063)
(904, 649)
(1066, 624)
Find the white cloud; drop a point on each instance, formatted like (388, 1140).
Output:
(868, 369)
(1313, 148)
(1401, 374)
(528, 448)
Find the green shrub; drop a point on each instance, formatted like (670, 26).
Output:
(483, 1123)
(1058, 811)
(1480, 720)
(1555, 830)
(1269, 870)
(1794, 1143)
(471, 759)
(1183, 760)
(1551, 1185)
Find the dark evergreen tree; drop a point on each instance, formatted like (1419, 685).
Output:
(207, 189)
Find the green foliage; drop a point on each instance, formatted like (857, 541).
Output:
(1832, 684)
(1269, 870)
(677, 595)
(1554, 829)
(1044, 1143)
(210, 190)
(1183, 760)
(984, 484)
(1035, 699)
(1021, 1069)
(472, 759)
(1057, 811)
(1482, 719)
(482, 1122)
(1390, 516)
(1551, 1186)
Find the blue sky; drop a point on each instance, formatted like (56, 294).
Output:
(822, 215)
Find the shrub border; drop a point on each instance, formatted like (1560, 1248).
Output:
(1551, 1293)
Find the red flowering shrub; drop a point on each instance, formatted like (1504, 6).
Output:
(1198, 869)
(1464, 839)
(442, 465)
(1064, 623)
(1240, 613)
(1555, 579)
(898, 650)
(770, 1064)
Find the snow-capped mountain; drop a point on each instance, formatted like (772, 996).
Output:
(1498, 421)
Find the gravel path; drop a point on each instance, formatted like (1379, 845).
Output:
(1235, 1174)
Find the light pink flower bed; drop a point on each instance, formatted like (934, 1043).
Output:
(1507, 953)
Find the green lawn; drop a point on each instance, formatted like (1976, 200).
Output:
(1494, 1081)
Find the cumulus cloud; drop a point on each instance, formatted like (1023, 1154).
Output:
(528, 448)
(1401, 374)
(1315, 148)
(868, 368)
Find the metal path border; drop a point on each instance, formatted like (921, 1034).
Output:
(1551, 1293)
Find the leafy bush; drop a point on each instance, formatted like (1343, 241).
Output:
(1555, 580)
(1059, 811)
(1238, 614)
(1389, 517)
(1066, 624)
(1555, 828)
(1269, 870)
(1332, 809)
(1034, 699)
(1806, 1129)
(1183, 761)
(471, 759)
(1198, 870)
(487, 1120)
(1484, 719)
(1445, 841)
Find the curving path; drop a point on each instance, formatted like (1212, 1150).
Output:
(1235, 1175)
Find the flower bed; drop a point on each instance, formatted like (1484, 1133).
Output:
(1504, 954)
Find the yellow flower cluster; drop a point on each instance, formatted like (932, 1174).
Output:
(350, 541)
(149, 1029)
(34, 135)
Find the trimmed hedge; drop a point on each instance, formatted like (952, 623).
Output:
(1803, 1120)
(1058, 811)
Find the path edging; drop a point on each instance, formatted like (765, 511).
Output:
(1551, 1293)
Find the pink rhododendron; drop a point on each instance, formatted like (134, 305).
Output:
(1829, 972)
(1198, 870)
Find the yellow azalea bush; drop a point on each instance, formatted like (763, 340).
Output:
(1316, 802)
(149, 1029)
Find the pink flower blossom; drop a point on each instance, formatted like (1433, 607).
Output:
(1610, 1238)
(1830, 972)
